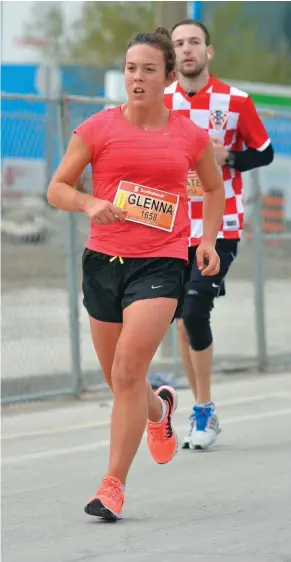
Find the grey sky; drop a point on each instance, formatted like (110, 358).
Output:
(14, 15)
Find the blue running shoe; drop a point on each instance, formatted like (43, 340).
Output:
(205, 427)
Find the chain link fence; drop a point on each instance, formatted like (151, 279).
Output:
(46, 345)
(252, 325)
(270, 244)
(35, 342)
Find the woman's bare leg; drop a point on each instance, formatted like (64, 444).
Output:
(105, 336)
(145, 324)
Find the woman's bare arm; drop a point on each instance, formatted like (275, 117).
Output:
(63, 195)
(61, 191)
(214, 194)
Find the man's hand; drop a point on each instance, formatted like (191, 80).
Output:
(208, 261)
(104, 212)
(220, 151)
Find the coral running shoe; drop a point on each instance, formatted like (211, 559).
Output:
(161, 438)
(108, 500)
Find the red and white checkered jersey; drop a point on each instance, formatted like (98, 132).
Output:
(229, 115)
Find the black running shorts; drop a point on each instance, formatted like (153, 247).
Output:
(210, 287)
(110, 286)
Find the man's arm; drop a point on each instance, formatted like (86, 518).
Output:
(249, 159)
(259, 151)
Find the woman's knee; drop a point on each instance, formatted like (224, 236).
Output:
(127, 372)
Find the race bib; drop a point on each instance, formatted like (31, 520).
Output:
(147, 206)
(194, 185)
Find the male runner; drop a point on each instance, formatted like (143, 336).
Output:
(240, 143)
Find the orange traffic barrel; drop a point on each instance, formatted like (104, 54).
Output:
(273, 207)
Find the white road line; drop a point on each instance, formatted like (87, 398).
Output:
(57, 430)
(53, 453)
(99, 424)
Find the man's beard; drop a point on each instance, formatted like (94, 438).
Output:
(192, 73)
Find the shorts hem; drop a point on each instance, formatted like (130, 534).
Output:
(102, 319)
(147, 298)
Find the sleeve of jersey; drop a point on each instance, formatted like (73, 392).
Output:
(251, 128)
(200, 142)
(87, 132)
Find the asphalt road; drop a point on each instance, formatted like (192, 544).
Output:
(229, 504)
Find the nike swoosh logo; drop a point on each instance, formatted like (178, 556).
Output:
(215, 286)
(156, 287)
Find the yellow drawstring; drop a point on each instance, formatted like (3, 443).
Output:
(117, 257)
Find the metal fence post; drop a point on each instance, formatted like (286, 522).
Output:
(49, 141)
(259, 276)
(71, 238)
